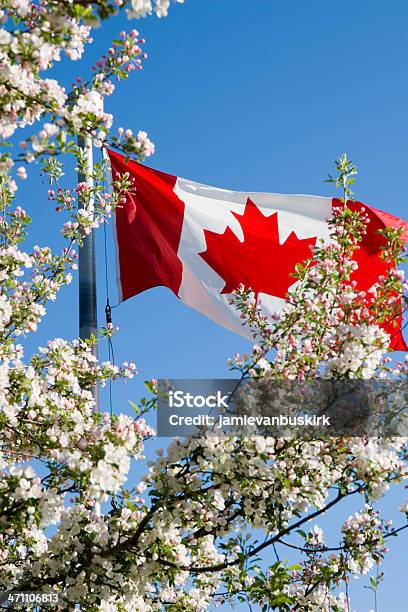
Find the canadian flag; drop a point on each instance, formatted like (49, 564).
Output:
(202, 242)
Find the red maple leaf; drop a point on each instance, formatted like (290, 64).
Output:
(259, 262)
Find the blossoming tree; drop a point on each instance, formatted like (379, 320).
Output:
(68, 524)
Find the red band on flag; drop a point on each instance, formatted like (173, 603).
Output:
(370, 264)
(148, 229)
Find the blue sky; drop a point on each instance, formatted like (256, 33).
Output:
(253, 96)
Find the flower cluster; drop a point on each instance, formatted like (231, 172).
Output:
(44, 33)
(142, 8)
(328, 328)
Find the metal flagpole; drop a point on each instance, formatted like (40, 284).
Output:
(88, 321)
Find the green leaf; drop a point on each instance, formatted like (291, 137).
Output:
(135, 407)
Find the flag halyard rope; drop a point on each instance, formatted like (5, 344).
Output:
(108, 307)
